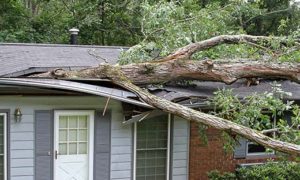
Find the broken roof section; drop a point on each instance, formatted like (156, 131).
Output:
(23, 59)
(197, 94)
(117, 94)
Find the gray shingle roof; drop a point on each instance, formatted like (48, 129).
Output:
(20, 59)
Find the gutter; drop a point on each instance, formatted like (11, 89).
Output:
(113, 93)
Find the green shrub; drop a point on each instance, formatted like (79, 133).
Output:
(216, 175)
(268, 171)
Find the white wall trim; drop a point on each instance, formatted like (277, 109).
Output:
(5, 144)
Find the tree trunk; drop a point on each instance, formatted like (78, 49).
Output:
(166, 71)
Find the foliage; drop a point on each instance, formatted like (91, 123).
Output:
(217, 175)
(156, 27)
(268, 171)
(168, 25)
(43, 21)
(259, 112)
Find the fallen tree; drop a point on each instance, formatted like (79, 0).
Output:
(178, 66)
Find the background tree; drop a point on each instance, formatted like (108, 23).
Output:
(112, 22)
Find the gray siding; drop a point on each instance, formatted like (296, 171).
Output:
(180, 149)
(22, 148)
(121, 148)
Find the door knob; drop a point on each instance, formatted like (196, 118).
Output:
(56, 154)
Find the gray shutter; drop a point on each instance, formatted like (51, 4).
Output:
(240, 149)
(43, 145)
(102, 145)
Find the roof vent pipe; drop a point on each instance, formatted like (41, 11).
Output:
(74, 34)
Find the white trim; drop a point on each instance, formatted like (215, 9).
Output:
(90, 113)
(134, 150)
(4, 144)
(168, 148)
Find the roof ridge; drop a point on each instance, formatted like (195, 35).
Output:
(61, 45)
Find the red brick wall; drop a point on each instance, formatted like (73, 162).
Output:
(205, 158)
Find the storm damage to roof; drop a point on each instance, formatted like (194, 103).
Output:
(200, 92)
(21, 60)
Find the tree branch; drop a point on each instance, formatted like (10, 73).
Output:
(187, 51)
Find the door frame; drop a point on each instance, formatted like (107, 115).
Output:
(91, 114)
(4, 144)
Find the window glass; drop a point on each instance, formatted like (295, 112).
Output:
(151, 149)
(256, 149)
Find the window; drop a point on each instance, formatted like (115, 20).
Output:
(73, 134)
(246, 148)
(256, 149)
(3, 146)
(253, 149)
(152, 148)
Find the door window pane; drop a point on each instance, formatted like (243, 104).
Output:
(63, 148)
(73, 148)
(83, 135)
(72, 135)
(63, 121)
(82, 148)
(73, 121)
(152, 148)
(63, 135)
(82, 121)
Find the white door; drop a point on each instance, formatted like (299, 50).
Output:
(73, 145)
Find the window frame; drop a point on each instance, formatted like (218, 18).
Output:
(168, 147)
(4, 145)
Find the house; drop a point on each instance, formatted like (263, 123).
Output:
(91, 129)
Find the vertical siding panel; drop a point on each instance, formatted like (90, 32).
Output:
(121, 148)
(180, 149)
(22, 147)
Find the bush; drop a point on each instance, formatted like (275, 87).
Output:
(216, 175)
(268, 171)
